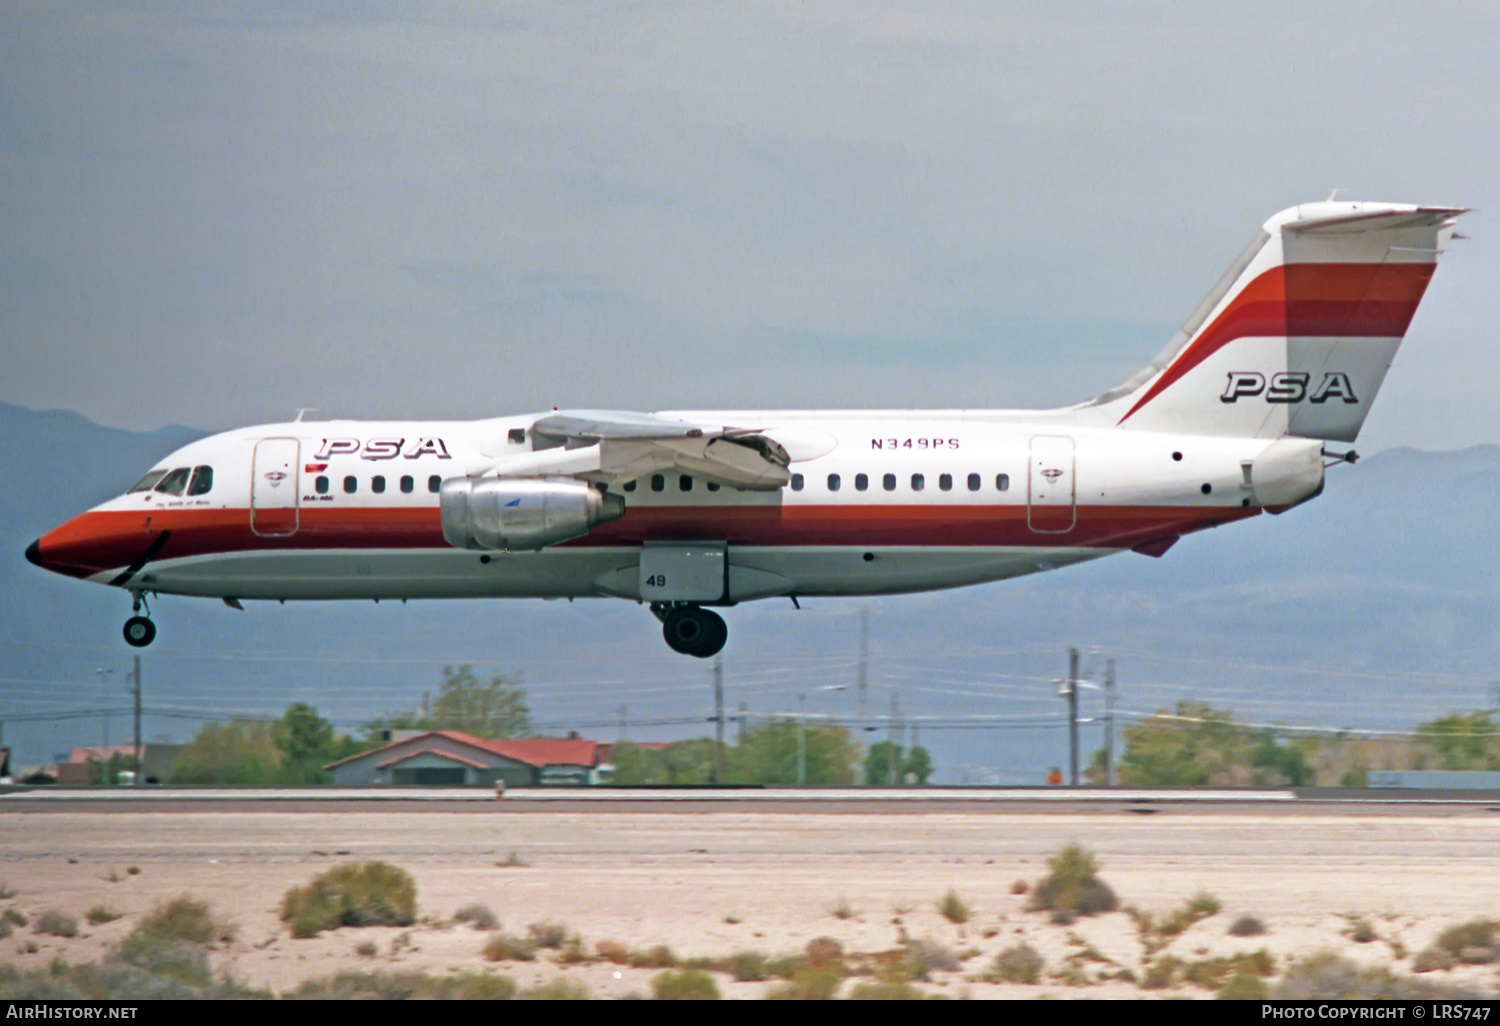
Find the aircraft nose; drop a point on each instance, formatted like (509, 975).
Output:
(34, 552)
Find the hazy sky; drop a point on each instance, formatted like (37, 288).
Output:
(215, 213)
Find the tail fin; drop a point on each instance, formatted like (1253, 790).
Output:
(1298, 335)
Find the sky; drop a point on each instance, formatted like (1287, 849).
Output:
(214, 214)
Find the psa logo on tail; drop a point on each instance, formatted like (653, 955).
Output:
(1288, 387)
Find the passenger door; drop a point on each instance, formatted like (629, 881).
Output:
(274, 487)
(1051, 488)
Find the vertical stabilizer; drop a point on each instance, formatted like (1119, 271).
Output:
(1298, 335)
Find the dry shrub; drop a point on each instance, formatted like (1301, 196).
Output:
(613, 951)
(352, 894)
(886, 990)
(1243, 987)
(1020, 963)
(1213, 973)
(1326, 976)
(1474, 942)
(100, 914)
(658, 956)
(925, 955)
(57, 924)
(954, 908)
(479, 916)
(185, 918)
(560, 989)
(1019, 887)
(353, 985)
(1247, 926)
(824, 953)
(807, 985)
(747, 966)
(685, 985)
(548, 934)
(1073, 885)
(502, 947)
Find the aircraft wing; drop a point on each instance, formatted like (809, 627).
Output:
(613, 447)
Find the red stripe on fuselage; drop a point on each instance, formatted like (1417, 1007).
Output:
(102, 541)
(1308, 301)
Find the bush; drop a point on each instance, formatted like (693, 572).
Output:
(807, 985)
(1073, 885)
(954, 908)
(1243, 987)
(748, 966)
(14, 916)
(101, 914)
(824, 953)
(685, 985)
(923, 956)
(886, 990)
(465, 986)
(1430, 959)
(184, 918)
(478, 916)
(57, 924)
(1020, 963)
(1200, 906)
(1473, 942)
(658, 956)
(352, 894)
(1247, 926)
(1212, 973)
(560, 989)
(548, 935)
(1326, 976)
(502, 947)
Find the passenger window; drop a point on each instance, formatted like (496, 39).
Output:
(630, 486)
(712, 487)
(516, 435)
(861, 482)
(973, 482)
(1002, 482)
(148, 482)
(890, 482)
(321, 484)
(917, 482)
(434, 484)
(407, 484)
(796, 482)
(658, 483)
(945, 482)
(833, 482)
(174, 483)
(377, 484)
(685, 483)
(351, 484)
(203, 481)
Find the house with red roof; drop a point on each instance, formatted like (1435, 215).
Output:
(455, 759)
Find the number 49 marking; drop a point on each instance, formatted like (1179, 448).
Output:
(656, 581)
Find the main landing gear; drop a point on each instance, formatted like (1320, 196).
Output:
(139, 630)
(691, 630)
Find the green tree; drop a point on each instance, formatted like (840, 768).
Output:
(1193, 745)
(238, 752)
(685, 762)
(493, 708)
(1280, 763)
(301, 734)
(1462, 741)
(768, 755)
(915, 764)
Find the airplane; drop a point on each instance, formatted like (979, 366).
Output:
(689, 511)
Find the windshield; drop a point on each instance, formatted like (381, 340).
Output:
(174, 483)
(148, 482)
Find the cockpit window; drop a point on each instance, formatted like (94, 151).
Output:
(203, 481)
(174, 483)
(148, 482)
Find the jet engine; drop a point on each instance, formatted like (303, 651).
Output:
(522, 513)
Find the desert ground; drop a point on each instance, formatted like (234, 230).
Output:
(709, 884)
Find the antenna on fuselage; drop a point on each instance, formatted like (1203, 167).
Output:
(304, 409)
(1334, 194)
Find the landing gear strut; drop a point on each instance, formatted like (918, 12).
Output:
(139, 630)
(692, 630)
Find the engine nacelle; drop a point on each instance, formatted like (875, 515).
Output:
(522, 513)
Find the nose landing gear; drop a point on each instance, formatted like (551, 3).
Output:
(139, 630)
(691, 630)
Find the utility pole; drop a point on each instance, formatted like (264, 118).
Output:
(140, 762)
(104, 700)
(719, 719)
(864, 664)
(801, 738)
(1070, 692)
(1109, 723)
(890, 744)
(740, 731)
